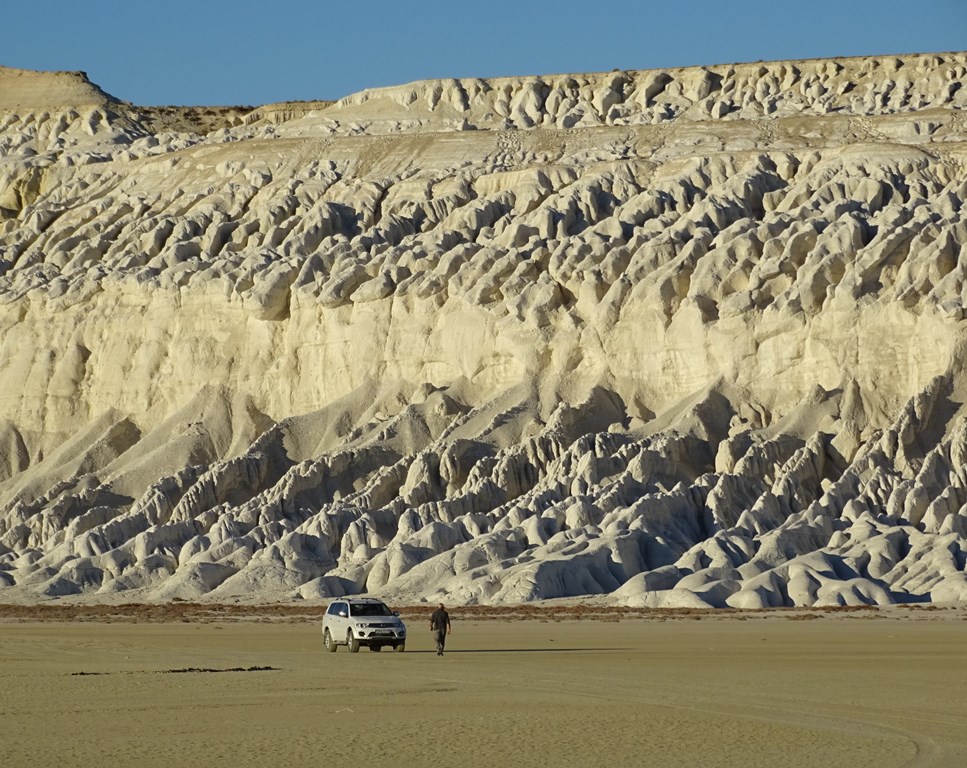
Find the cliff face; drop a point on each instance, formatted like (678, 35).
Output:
(691, 337)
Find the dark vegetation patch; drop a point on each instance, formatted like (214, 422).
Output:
(230, 669)
(209, 613)
(179, 671)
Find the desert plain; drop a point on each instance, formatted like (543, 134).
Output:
(526, 686)
(584, 356)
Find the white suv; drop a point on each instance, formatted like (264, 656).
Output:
(356, 621)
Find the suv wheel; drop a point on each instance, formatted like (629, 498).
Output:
(329, 642)
(352, 642)
(399, 647)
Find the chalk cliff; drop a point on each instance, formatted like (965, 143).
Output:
(690, 337)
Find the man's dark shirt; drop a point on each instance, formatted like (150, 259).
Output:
(440, 619)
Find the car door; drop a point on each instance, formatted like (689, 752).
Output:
(338, 621)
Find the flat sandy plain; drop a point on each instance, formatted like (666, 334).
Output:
(184, 685)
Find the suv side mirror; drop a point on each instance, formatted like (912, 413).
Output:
(396, 613)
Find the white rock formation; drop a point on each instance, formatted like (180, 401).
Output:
(688, 337)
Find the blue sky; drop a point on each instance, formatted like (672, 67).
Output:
(256, 52)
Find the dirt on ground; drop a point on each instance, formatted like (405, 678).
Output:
(202, 685)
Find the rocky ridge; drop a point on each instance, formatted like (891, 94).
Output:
(678, 338)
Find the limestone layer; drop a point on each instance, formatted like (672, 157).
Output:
(682, 338)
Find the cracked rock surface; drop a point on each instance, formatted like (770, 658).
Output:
(679, 338)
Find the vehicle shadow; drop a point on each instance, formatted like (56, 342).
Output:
(523, 650)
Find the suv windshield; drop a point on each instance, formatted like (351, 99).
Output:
(371, 609)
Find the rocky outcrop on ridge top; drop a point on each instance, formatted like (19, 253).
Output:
(681, 338)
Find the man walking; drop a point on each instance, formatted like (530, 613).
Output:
(440, 627)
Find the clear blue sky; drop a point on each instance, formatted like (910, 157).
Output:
(256, 51)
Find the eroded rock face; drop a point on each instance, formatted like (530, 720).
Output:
(691, 337)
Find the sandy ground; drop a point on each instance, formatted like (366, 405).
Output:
(853, 689)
